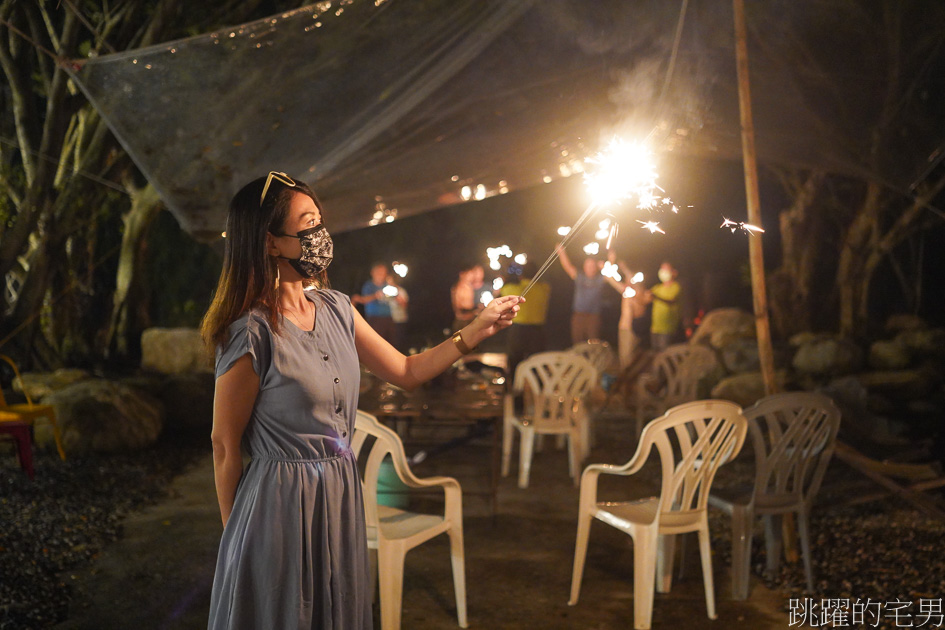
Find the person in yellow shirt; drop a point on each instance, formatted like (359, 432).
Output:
(667, 314)
(527, 335)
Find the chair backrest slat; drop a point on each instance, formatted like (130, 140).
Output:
(558, 384)
(793, 435)
(693, 440)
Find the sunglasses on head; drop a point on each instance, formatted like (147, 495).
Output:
(278, 176)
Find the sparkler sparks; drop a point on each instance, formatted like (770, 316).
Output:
(622, 172)
(748, 228)
(652, 226)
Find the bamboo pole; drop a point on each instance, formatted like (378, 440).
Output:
(755, 251)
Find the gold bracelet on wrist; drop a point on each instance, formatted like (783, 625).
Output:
(460, 344)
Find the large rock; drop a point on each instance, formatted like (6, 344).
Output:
(724, 325)
(100, 416)
(741, 355)
(859, 420)
(188, 401)
(174, 351)
(903, 321)
(901, 385)
(40, 384)
(831, 356)
(891, 354)
(924, 341)
(745, 389)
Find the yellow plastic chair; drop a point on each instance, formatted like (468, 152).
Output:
(692, 440)
(558, 384)
(29, 412)
(393, 532)
(793, 436)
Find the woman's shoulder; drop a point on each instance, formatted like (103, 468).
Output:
(334, 298)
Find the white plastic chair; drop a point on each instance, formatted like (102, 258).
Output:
(692, 440)
(557, 384)
(393, 532)
(673, 379)
(598, 352)
(793, 436)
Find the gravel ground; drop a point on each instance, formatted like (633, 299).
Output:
(882, 551)
(61, 521)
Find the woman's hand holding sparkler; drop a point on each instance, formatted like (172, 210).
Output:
(497, 315)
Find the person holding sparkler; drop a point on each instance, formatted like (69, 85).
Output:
(466, 295)
(588, 290)
(293, 552)
(376, 305)
(526, 336)
(632, 308)
(666, 317)
(398, 299)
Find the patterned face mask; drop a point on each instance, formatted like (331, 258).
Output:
(317, 250)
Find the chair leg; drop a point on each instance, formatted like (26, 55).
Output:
(508, 434)
(741, 551)
(803, 532)
(772, 543)
(24, 451)
(525, 456)
(458, 559)
(575, 456)
(580, 554)
(390, 561)
(644, 580)
(665, 556)
(372, 567)
(705, 550)
(58, 437)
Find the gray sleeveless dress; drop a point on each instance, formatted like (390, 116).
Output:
(294, 551)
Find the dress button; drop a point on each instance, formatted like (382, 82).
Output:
(325, 357)
(344, 434)
(337, 380)
(338, 408)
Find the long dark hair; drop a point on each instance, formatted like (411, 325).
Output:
(249, 274)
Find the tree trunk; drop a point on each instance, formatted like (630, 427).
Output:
(791, 284)
(126, 320)
(855, 267)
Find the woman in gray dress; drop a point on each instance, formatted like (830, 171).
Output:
(294, 549)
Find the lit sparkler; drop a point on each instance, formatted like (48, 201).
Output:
(390, 290)
(621, 172)
(399, 268)
(748, 228)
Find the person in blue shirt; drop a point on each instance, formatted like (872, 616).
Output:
(376, 305)
(588, 293)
